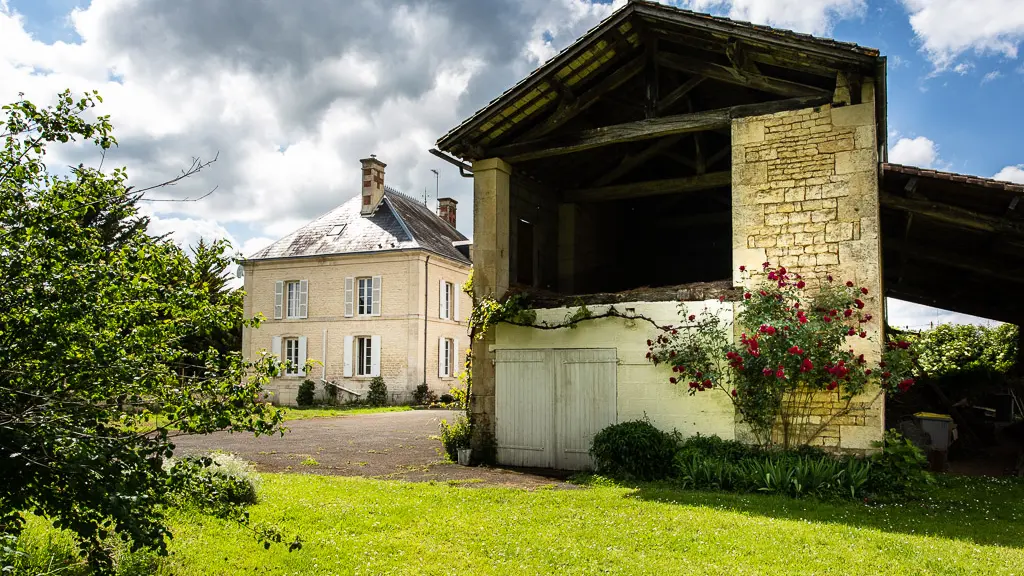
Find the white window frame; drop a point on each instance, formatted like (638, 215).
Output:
(364, 296)
(446, 359)
(364, 356)
(291, 348)
(447, 294)
(292, 299)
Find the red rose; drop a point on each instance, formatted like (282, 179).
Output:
(886, 374)
(833, 385)
(807, 365)
(848, 312)
(849, 284)
(747, 295)
(867, 372)
(735, 393)
(859, 303)
(827, 319)
(782, 270)
(851, 332)
(863, 334)
(707, 383)
(691, 317)
(801, 284)
(803, 319)
(763, 293)
(781, 372)
(649, 343)
(648, 354)
(903, 344)
(767, 371)
(743, 268)
(672, 354)
(672, 380)
(693, 384)
(698, 375)
(721, 298)
(766, 265)
(863, 290)
(829, 277)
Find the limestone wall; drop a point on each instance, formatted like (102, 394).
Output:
(805, 196)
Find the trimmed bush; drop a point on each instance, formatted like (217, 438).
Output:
(224, 481)
(304, 397)
(454, 436)
(378, 393)
(634, 450)
(447, 399)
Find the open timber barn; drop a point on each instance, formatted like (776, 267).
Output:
(648, 161)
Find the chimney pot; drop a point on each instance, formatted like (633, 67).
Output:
(446, 210)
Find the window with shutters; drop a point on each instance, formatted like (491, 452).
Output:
(292, 299)
(291, 356)
(447, 296)
(364, 305)
(447, 351)
(364, 356)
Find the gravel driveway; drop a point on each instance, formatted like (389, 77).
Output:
(390, 445)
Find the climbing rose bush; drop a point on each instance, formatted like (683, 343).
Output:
(796, 344)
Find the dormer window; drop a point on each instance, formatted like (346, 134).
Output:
(337, 230)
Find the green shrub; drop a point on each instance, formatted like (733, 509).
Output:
(447, 399)
(634, 450)
(716, 448)
(378, 394)
(454, 436)
(423, 395)
(305, 395)
(899, 470)
(224, 482)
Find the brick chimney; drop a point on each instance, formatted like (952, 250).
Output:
(446, 210)
(373, 184)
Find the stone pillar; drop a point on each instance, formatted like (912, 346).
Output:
(805, 196)
(490, 279)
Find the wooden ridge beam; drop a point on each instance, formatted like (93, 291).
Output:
(650, 188)
(647, 129)
(739, 77)
(953, 215)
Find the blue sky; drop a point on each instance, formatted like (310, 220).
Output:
(291, 96)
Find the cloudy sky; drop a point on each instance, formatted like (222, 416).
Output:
(292, 94)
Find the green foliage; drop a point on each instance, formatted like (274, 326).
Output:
(956, 348)
(634, 450)
(378, 393)
(900, 470)
(305, 397)
(799, 343)
(424, 395)
(573, 318)
(455, 436)
(446, 399)
(487, 312)
(218, 484)
(102, 327)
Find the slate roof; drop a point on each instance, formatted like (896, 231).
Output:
(398, 223)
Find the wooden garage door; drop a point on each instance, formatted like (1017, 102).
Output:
(550, 403)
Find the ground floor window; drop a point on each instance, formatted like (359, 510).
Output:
(364, 356)
(291, 356)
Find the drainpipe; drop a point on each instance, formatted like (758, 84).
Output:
(426, 308)
(324, 370)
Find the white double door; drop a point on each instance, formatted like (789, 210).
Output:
(550, 403)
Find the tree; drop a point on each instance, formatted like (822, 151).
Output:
(98, 328)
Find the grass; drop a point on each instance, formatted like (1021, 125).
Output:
(329, 412)
(362, 526)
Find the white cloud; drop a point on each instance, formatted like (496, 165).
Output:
(1011, 174)
(810, 16)
(949, 28)
(993, 75)
(963, 68)
(919, 151)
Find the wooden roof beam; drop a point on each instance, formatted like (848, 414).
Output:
(953, 215)
(647, 129)
(650, 188)
(739, 77)
(675, 95)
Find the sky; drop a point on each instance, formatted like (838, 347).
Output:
(289, 96)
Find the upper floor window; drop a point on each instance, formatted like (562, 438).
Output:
(291, 299)
(447, 296)
(365, 302)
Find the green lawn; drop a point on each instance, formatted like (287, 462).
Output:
(304, 413)
(360, 526)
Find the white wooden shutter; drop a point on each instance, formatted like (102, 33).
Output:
(349, 300)
(303, 298)
(440, 300)
(440, 358)
(456, 356)
(278, 299)
(348, 356)
(375, 352)
(456, 294)
(302, 354)
(376, 298)
(275, 347)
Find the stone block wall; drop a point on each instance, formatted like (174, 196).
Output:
(805, 196)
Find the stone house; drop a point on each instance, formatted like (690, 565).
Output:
(666, 148)
(371, 288)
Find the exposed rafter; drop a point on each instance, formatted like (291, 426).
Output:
(675, 95)
(628, 163)
(569, 109)
(740, 77)
(974, 263)
(650, 188)
(647, 129)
